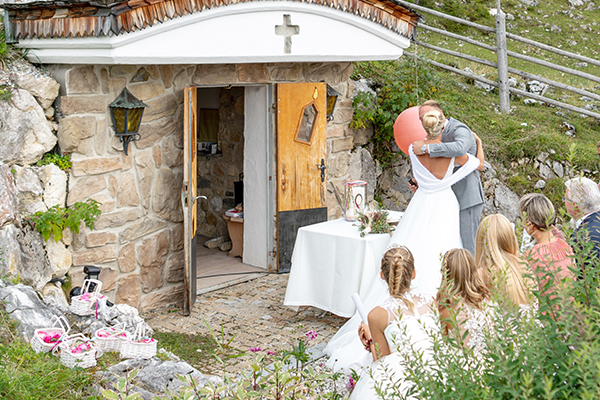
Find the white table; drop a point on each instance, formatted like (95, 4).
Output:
(331, 262)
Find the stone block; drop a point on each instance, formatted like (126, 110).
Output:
(152, 132)
(84, 187)
(113, 185)
(82, 80)
(84, 104)
(54, 181)
(126, 161)
(118, 218)
(128, 290)
(107, 202)
(169, 296)
(43, 87)
(94, 256)
(175, 267)
(335, 131)
(177, 237)
(98, 239)
(343, 144)
(151, 277)
(166, 74)
(144, 165)
(166, 200)
(74, 132)
(160, 107)
(141, 228)
(96, 166)
(171, 155)
(215, 74)
(253, 73)
(126, 259)
(59, 257)
(127, 194)
(9, 203)
(122, 70)
(156, 154)
(285, 72)
(151, 252)
(147, 90)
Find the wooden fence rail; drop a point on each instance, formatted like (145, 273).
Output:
(501, 64)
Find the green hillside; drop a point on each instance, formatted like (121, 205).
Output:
(512, 141)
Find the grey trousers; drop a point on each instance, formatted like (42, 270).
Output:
(469, 222)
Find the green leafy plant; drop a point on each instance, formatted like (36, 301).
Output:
(223, 344)
(61, 161)
(123, 388)
(54, 221)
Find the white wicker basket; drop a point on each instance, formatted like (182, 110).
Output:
(87, 302)
(59, 329)
(111, 338)
(139, 345)
(84, 359)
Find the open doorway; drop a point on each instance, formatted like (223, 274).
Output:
(233, 171)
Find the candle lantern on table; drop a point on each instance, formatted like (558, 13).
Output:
(356, 199)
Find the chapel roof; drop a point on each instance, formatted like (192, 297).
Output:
(78, 18)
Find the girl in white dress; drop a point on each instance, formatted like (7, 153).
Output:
(429, 228)
(397, 330)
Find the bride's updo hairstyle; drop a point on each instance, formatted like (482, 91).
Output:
(398, 266)
(461, 280)
(433, 122)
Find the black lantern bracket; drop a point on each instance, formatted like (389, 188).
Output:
(126, 112)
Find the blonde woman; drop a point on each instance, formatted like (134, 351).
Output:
(551, 258)
(461, 300)
(397, 328)
(496, 256)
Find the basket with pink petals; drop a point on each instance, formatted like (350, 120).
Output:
(79, 351)
(111, 338)
(88, 303)
(46, 339)
(139, 344)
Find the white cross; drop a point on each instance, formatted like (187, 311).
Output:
(287, 30)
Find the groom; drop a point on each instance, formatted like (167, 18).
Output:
(457, 140)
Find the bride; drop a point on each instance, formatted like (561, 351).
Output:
(429, 228)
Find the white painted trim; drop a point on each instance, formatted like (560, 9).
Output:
(383, 43)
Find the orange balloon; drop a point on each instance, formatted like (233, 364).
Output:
(408, 128)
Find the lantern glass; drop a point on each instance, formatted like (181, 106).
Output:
(331, 104)
(119, 119)
(133, 119)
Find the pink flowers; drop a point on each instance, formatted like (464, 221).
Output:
(270, 353)
(310, 335)
(50, 337)
(255, 349)
(81, 348)
(351, 383)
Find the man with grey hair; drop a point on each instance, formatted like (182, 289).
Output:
(582, 201)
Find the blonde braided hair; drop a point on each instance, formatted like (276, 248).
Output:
(398, 266)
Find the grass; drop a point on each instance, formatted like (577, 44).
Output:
(25, 375)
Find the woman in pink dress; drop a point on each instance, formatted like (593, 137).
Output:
(551, 258)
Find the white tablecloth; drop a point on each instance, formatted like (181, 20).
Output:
(330, 262)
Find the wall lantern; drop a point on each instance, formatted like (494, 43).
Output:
(126, 113)
(332, 96)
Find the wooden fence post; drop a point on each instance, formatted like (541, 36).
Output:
(502, 60)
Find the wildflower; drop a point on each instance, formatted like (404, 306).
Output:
(351, 383)
(255, 349)
(270, 353)
(310, 335)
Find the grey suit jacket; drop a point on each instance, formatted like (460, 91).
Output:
(457, 140)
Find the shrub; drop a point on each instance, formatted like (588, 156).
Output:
(57, 219)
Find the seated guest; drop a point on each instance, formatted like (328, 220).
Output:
(400, 324)
(551, 258)
(461, 299)
(496, 249)
(582, 201)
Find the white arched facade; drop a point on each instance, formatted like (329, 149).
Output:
(239, 33)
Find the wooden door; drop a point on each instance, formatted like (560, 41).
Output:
(301, 156)
(188, 197)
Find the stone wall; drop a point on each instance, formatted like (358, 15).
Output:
(138, 239)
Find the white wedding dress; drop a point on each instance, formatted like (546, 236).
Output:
(407, 334)
(429, 228)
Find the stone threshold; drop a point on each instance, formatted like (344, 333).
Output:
(242, 279)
